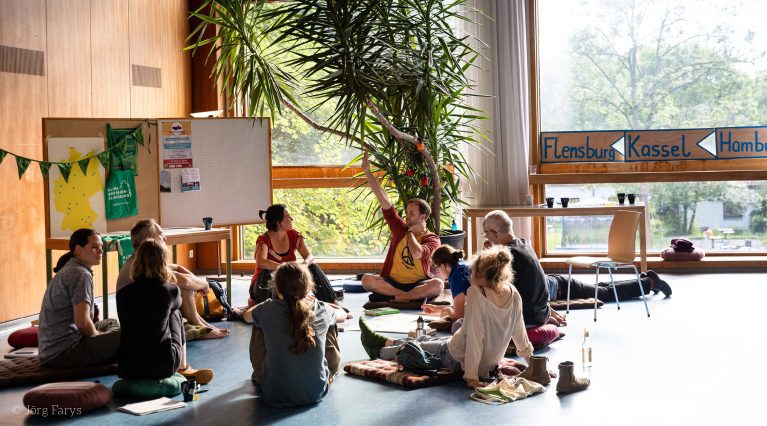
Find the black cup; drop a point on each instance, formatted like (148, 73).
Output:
(207, 222)
(564, 201)
(549, 202)
(621, 198)
(632, 198)
(189, 388)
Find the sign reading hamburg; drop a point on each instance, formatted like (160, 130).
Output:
(653, 145)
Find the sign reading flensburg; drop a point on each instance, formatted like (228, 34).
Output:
(653, 145)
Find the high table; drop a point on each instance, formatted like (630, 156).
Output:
(173, 235)
(472, 214)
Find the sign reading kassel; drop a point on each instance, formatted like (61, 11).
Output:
(653, 145)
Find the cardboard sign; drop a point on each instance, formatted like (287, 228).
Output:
(581, 147)
(669, 145)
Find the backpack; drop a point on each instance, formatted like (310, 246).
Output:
(213, 305)
(412, 357)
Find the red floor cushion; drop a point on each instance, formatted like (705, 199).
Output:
(672, 255)
(66, 398)
(24, 338)
(543, 335)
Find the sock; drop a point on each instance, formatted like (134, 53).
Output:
(371, 341)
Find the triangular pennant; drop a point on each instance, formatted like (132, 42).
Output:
(44, 166)
(138, 135)
(22, 163)
(84, 165)
(65, 168)
(104, 159)
(2, 155)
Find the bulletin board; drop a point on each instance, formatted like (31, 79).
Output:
(233, 156)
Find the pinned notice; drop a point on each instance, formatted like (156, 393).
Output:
(190, 180)
(177, 145)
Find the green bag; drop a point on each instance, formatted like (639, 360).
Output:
(124, 158)
(120, 195)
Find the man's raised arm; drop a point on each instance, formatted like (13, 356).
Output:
(374, 184)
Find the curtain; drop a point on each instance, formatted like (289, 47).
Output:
(502, 73)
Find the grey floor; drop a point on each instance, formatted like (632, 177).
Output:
(697, 359)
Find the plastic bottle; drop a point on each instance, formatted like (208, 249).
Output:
(586, 348)
(454, 227)
(419, 330)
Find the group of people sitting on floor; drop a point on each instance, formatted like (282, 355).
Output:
(501, 297)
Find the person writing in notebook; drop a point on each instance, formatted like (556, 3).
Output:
(407, 270)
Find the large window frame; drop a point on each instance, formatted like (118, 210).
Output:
(585, 173)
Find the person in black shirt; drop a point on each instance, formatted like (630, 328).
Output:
(152, 344)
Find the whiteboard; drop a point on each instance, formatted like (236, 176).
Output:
(233, 156)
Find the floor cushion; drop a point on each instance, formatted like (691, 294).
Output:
(148, 389)
(28, 371)
(351, 286)
(412, 304)
(543, 335)
(66, 399)
(561, 304)
(672, 255)
(24, 338)
(388, 371)
(441, 325)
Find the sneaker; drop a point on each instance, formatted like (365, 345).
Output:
(659, 284)
(203, 376)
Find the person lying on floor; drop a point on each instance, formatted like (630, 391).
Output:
(626, 289)
(407, 270)
(187, 282)
(294, 346)
(68, 337)
(450, 266)
(152, 342)
(278, 245)
(493, 318)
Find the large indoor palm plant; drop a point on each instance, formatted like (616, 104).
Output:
(395, 69)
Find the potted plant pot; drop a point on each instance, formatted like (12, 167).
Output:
(454, 239)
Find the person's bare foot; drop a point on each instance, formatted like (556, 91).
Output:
(216, 333)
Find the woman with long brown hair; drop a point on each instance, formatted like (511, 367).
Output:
(293, 366)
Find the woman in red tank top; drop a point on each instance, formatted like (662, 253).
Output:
(277, 245)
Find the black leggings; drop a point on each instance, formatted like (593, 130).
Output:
(626, 289)
(261, 289)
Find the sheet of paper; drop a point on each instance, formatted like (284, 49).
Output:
(152, 406)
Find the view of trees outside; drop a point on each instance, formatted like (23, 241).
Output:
(651, 64)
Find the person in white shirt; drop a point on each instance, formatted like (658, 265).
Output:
(493, 317)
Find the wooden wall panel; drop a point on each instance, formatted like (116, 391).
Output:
(110, 57)
(23, 102)
(87, 47)
(69, 58)
(146, 32)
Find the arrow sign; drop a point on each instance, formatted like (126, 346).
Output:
(709, 143)
(581, 147)
(667, 145)
(620, 146)
(742, 142)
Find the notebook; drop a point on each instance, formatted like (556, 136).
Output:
(152, 406)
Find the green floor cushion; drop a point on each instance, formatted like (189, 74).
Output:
(66, 399)
(148, 389)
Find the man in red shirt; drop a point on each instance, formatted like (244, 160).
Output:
(407, 270)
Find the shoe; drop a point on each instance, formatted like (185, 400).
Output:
(203, 376)
(568, 382)
(537, 371)
(659, 284)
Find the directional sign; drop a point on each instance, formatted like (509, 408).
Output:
(668, 145)
(742, 142)
(581, 147)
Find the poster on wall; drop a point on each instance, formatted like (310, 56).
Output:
(177, 144)
(190, 180)
(79, 201)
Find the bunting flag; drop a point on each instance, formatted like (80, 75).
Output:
(65, 167)
(84, 165)
(44, 167)
(22, 163)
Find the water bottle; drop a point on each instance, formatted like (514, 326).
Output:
(419, 330)
(586, 348)
(454, 227)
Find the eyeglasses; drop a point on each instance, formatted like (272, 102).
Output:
(485, 232)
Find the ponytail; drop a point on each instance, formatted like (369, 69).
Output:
(294, 282)
(446, 255)
(78, 238)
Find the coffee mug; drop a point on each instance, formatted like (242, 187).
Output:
(632, 198)
(189, 389)
(564, 201)
(549, 202)
(207, 222)
(621, 198)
